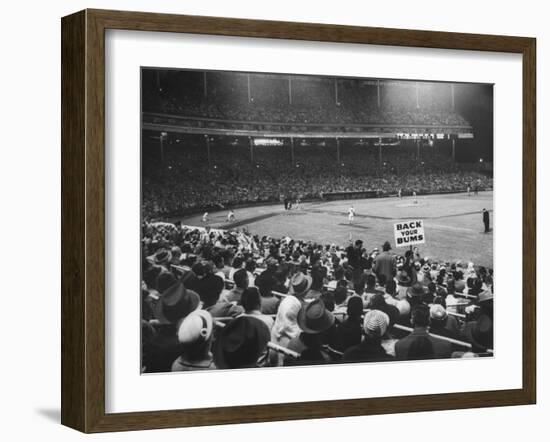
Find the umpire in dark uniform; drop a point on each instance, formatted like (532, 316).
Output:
(486, 219)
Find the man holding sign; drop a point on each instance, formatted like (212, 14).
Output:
(409, 233)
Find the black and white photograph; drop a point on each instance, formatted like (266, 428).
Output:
(297, 220)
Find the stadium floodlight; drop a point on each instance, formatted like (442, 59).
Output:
(481, 160)
(267, 142)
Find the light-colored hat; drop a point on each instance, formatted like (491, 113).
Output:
(300, 284)
(485, 295)
(437, 311)
(376, 323)
(197, 326)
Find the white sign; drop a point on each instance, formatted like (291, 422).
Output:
(409, 233)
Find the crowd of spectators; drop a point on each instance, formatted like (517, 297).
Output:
(187, 182)
(314, 100)
(216, 299)
(392, 114)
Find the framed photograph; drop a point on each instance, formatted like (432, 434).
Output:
(268, 220)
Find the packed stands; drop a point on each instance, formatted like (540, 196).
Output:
(216, 299)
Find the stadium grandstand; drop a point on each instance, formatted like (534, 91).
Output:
(221, 139)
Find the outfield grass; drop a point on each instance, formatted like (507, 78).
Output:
(453, 223)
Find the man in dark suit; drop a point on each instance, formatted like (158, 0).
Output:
(486, 219)
(354, 254)
(419, 344)
(385, 262)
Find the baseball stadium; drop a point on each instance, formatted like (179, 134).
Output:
(303, 176)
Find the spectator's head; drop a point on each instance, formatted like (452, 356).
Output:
(420, 316)
(163, 257)
(403, 278)
(328, 299)
(265, 286)
(359, 286)
(164, 281)
(340, 295)
(355, 308)
(195, 334)
(416, 291)
(371, 281)
(200, 269)
(210, 289)
(300, 284)
(477, 286)
(377, 302)
(150, 277)
(241, 279)
(176, 254)
(438, 315)
(250, 265)
(238, 262)
(480, 334)
(316, 279)
(175, 303)
(376, 323)
(338, 273)
(217, 260)
(280, 274)
(386, 246)
(251, 300)
(314, 318)
(382, 280)
(241, 343)
(287, 316)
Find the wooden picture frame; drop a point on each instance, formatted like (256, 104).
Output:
(83, 219)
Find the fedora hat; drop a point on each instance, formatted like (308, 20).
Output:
(416, 290)
(241, 342)
(165, 280)
(196, 327)
(480, 334)
(300, 284)
(403, 277)
(162, 256)
(314, 317)
(175, 303)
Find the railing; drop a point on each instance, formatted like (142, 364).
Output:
(217, 126)
(220, 322)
